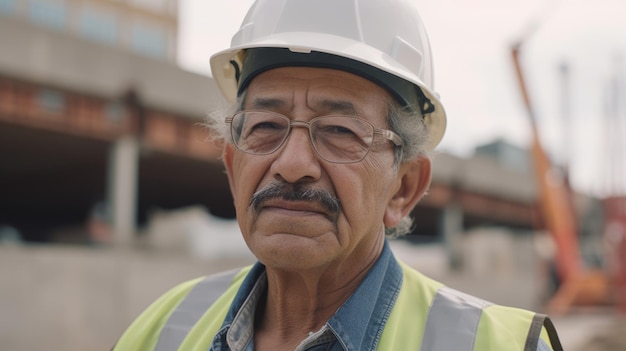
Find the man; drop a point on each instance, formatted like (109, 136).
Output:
(326, 153)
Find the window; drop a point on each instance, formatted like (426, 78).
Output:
(98, 24)
(157, 5)
(7, 6)
(51, 101)
(149, 40)
(115, 112)
(50, 13)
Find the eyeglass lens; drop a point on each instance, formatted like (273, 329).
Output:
(334, 138)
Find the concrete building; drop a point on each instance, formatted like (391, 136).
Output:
(84, 123)
(98, 131)
(101, 141)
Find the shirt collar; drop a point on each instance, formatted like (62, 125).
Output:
(357, 324)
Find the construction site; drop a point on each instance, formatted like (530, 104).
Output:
(112, 191)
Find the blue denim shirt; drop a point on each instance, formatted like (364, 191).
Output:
(357, 325)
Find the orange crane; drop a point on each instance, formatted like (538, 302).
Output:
(578, 286)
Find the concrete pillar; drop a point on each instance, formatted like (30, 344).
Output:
(452, 227)
(122, 189)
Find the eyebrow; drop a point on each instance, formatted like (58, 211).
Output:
(342, 106)
(266, 103)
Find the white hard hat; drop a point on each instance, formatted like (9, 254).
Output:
(382, 40)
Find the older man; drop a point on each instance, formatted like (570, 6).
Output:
(326, 154)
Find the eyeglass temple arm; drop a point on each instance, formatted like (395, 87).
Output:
(395, 138)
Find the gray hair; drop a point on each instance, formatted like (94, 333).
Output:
(411, 127)
(405, 122)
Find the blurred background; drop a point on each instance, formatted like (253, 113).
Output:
(111, 191)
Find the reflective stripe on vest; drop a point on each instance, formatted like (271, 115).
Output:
(452, 322)
(454, 317)
(191, 308)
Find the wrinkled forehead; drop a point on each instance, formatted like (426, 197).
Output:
(320, 89)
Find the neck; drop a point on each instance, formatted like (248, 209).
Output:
(298, 303)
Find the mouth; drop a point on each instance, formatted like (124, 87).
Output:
(295, 208)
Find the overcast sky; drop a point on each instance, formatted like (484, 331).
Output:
(471, 42)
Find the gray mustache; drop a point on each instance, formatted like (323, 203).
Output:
(295, 192)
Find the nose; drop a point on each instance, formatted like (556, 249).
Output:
(296, 160)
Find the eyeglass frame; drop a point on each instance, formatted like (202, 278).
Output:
(385, 133)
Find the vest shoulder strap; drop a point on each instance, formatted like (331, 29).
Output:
(191, 308)
(539, 322)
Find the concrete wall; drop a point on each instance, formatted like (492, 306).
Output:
(80, 299)
(495, 265)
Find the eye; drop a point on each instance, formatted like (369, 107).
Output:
(266, 125)
(336, 130)
(263, 127)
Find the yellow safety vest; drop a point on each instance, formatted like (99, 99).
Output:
(427, 316)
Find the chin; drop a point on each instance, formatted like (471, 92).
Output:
(294, 252)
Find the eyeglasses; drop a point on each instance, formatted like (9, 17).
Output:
(337, 139)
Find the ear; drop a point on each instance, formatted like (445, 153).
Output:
(228, 154)
(414, 180)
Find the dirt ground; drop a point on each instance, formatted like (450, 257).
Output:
(612, 338)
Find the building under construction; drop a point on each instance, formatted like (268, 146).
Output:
(96, 119)
(97, 122)
(100, 130)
